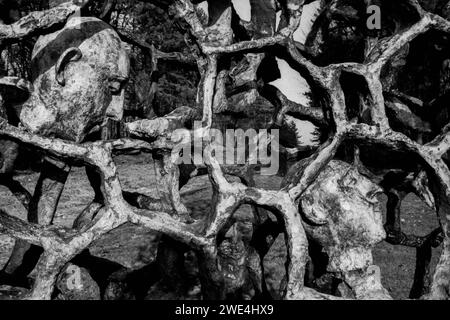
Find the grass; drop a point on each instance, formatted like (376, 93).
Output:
(135, 247)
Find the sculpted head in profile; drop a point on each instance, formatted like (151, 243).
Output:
(351, 224)
(342, 214)
(346, 205)
(78, 74)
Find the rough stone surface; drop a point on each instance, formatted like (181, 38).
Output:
(76, 87)
(13, 91)
(78, 75)
(347, 203)
(75, 283)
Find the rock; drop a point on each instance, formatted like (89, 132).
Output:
(118, 288)
(12, 293)
(118, 291)
(76, 283)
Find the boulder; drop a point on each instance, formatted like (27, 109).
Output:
(75, 283)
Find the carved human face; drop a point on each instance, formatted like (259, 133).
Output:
(79, 75)
(347, 202)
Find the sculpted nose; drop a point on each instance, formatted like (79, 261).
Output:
(115, 108)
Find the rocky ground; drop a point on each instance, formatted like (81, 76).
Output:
(135, 247)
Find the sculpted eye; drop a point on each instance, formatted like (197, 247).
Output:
(373, 194)
(349, 181)
(116, 85)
